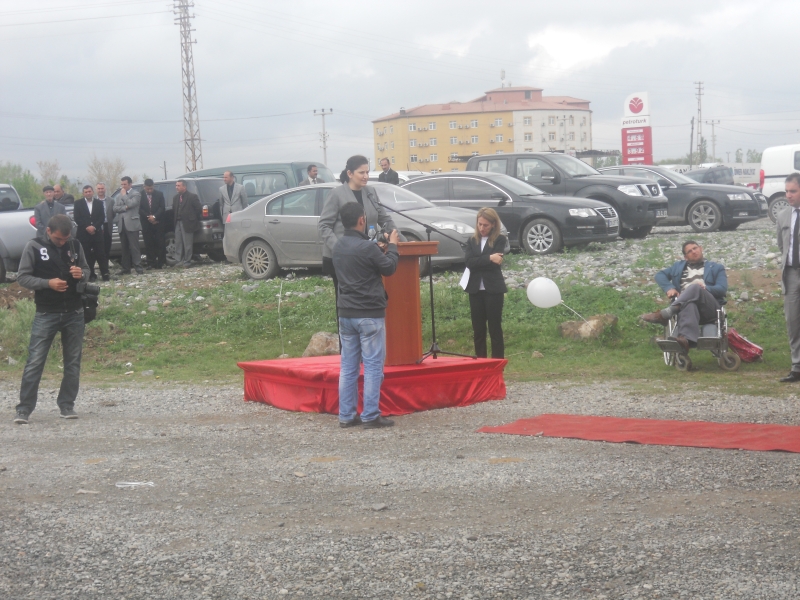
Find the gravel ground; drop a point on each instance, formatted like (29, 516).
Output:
(252, 502)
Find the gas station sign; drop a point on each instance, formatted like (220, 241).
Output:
(637, 134)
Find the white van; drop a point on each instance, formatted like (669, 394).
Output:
(776, 163)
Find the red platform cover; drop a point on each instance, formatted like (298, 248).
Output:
(312, 384)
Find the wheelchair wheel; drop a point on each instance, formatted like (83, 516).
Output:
(729, 361)
(683, 362)
(669, 358)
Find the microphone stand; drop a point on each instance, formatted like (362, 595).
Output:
(434, 350)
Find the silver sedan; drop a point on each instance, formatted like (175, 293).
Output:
(280, 231)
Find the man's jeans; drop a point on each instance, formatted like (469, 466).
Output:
(43, 332)
(362, 340)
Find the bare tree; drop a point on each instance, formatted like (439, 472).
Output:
(105, 170)
(50, 171)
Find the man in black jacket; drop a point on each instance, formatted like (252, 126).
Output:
(187, 212)
(151, 213)
(63, 197)
(361, 304)
(53, 268)
(89, 216)
(388, 175)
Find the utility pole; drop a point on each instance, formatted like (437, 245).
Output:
(691, 145)
(165, 169)
(712, 122)
(324, 136)
(729, 156)
(699, 95)
(193, 151)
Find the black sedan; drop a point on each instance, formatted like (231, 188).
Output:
(704, 206)
(537, 222)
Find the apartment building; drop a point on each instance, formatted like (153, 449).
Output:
(441, 137)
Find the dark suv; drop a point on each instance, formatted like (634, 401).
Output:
(719, 174)
(639, 202)
(206, 241)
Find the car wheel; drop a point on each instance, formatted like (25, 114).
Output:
(424, 261)
(777, 205)
(169, 242)
(704, 216)
(541, 236)
(637, 233)
(216, 255)
(259, 260)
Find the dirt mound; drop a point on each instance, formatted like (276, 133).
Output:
(11, 294)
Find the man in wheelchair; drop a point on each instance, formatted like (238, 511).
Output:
(697, 288)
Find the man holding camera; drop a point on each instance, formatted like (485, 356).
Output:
(359, 264)
(53, 268)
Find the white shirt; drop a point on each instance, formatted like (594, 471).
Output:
(483, 243)
(89, 204)
(105, 213)
(791, 237)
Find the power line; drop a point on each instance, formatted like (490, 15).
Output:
(102, 120)
(75, 7)
(157, 12)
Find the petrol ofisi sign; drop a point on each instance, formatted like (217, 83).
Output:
(637, 135)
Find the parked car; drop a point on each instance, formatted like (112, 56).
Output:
(206, 241)
(638, 202)
(403, 176)
(776, 163)
(265, 179)
(9, 198)
(538, 223)
(704, 206)
(717, 174)
(281, 230)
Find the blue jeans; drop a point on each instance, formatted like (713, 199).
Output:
(43, 332)
(362, 340)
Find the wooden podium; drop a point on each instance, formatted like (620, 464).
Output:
(403, 312)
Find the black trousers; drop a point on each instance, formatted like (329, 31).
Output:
(485, 307)
(94, 247)
(107, 239)
(154, 246)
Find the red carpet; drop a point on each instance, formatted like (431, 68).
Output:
(696, 434)
(312, 384)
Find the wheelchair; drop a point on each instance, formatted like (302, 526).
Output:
(713, 337)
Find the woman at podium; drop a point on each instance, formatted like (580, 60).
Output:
(485, 285)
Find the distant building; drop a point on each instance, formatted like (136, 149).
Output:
(441, 137)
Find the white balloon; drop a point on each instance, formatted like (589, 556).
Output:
(544, 293)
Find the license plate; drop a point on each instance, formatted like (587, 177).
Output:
(613, 222)
(217, 236)
(661, 214)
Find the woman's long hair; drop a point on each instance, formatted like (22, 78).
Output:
(352, 164)
(490, 215)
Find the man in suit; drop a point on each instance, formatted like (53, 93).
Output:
(151, 215)
(697, 288)
(232, 196)
(788, 230)
(312, 171)
(46, 210)
(389, 175)
(89, 217)
(187, 212)
(108, 224)
(60, 196)
(126, 207)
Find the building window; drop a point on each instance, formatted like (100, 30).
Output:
(498, 137)
(434, 157)
(551, 120)
(528, 149)
(571, 136)
(432, 141)
(474, 139)
(476, 154)
(452, 124)
(454, 169)
(527, 121)
(473, 123)
(392, 146)
(571, 120)
(453, 140)
(583, 121)
(583, 136)
(412, 126)
(499, 152)
(412, 158)
(384, 130)
(432, 125)
(393, 160)
(498, 122)
(528, 137)
(454, 155)
(551, 136)
(527, 95)
(391, 129)
(412, 143)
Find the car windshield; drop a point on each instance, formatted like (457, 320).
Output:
(572, 165)
(208, 190)
(675, 176)
(324, 174)
(8, 199)
(515, 186)
(399, 198)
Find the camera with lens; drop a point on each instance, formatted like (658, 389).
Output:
(87, 288)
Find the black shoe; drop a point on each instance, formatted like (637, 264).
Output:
(140, 271)
(378, 423)
(791, 377)
(21, 418)
(124, 272)
(93, 277)
(354, 422)
(68, 413)
(106, 277)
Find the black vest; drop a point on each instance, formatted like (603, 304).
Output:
(53, 262)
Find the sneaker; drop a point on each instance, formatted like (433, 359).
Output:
(355, 421)
(378, 423)
(68, 413)
(21, 418)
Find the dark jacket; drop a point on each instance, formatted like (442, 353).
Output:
(67, 199)
(83, 219)
(158, 210)
(481, 267)
(43, 212)
(188, 213)
(42, 261)
(389, 176)
(714, 277)
(359, 264)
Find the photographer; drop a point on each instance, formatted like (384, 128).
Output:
(53, 268)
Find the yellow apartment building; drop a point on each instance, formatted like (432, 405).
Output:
(442, 137)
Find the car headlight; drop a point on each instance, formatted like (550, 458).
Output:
(582, 212)
(631, 190)
(739, 196)
(454, 226)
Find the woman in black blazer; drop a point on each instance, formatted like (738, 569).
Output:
(486, 286)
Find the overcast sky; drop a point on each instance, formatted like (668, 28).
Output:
(84, 77)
